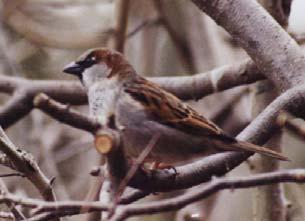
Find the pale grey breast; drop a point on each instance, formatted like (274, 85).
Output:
(103, 97)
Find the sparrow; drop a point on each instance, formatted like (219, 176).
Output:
(120, 98)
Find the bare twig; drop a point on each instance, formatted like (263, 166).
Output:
(287, 120)
(132, 171)
(11, 174)
(18, 215)
(25, 163)
(94, 192)
(65, 114)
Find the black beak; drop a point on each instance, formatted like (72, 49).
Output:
(74, 68)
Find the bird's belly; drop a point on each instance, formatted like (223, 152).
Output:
(172, 147)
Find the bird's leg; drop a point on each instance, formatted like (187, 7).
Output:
(156, 165)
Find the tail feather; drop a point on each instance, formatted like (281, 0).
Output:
(259, 149)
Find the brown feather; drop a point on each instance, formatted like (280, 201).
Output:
(176, 114)
(242, 145)
(171, 111)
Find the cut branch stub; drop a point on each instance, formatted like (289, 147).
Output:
(106, 140)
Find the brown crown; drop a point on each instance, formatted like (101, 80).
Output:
(113, 59)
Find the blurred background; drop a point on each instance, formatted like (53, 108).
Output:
(163, 38)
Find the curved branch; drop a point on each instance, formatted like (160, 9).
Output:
(267, 43)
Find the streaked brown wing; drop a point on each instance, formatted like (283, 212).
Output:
(171, 111)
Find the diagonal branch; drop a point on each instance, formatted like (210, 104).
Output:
(64, 114)
(25, 163)
(261, 37)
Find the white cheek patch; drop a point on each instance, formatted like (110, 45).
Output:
(95, 73)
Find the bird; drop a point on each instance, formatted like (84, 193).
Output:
(120, 98)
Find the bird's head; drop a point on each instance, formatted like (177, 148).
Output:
(99, 64)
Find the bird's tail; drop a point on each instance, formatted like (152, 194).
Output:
(259, 149)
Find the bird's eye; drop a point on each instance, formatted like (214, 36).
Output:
(88, 61)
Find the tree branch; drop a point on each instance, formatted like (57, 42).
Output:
(287, 120)
(25, 163)
(64, 114)
(262, 38)
(65, 208)
(16, 108)
(297, 175)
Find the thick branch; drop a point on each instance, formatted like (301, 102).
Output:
(219, 79)
(268, 44)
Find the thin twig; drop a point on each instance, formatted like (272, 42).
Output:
(11, 174)
(18, 215)
(289, 121)
(132, 171)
